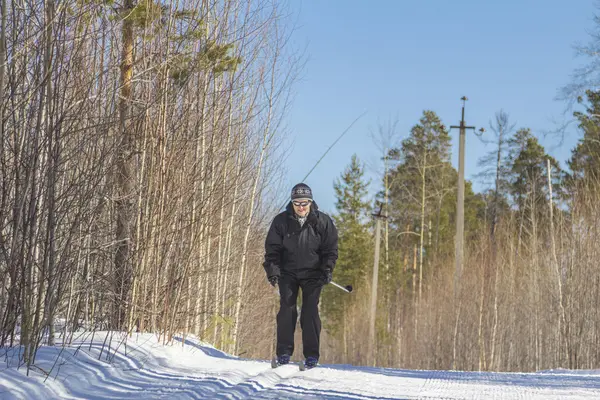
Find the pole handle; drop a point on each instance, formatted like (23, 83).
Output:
(347, 289)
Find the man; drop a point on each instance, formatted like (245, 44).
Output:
(300, 252)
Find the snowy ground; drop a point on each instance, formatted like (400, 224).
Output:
(144, 369)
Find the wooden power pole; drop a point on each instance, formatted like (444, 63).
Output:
(373, 314)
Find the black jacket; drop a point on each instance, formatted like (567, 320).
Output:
(301, 251)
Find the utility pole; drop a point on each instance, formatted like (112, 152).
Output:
(460, 200)
(373, 314)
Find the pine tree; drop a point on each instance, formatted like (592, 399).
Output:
(528, 179)
(354, 243)
(352, 221)
(422, 190)
(528, 169)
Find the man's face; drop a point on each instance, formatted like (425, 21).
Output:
(301, 206)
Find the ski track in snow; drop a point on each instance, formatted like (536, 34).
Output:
(146, 369)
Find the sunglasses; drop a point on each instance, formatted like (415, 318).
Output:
(301, 203)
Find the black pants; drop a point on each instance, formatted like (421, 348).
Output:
(309, 315)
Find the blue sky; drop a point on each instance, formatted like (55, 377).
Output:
(394, 59)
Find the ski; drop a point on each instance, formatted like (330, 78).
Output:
(301, 365)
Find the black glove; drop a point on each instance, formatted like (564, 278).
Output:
(327, 276)
(273, 279)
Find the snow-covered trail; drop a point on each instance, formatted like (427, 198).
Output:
(145, 369)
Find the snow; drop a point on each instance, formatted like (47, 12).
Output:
(141, 367)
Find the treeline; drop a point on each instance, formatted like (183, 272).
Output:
(138, 143)
(527, 298)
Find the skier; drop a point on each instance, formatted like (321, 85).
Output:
(301, 249)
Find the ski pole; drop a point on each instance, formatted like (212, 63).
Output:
(347, 288)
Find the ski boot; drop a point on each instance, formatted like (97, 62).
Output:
(309, 363)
